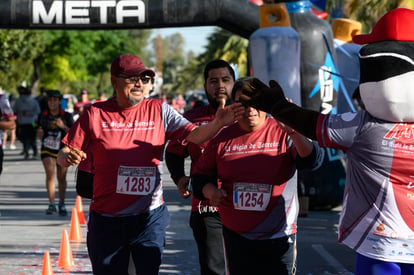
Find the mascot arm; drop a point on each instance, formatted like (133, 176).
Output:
(272, 100)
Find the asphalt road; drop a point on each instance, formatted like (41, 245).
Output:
(26, 232)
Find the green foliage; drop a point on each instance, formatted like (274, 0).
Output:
(222, 44)
(367, 12)
(18, 49)
(70, 60)
(65, 60)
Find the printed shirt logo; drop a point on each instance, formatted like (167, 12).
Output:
(400, 139)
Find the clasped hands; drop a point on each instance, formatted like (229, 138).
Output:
(263, 97)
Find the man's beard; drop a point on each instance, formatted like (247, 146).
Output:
(134, 101)
(215, 103)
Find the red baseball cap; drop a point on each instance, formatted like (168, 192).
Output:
(397, 25)
(129, 65)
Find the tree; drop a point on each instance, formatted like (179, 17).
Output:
(18, 50)
(66, 60)
(222, 44)
(367, 12)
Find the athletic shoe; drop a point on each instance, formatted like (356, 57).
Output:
(51, 209)
(13, 147)
(62, 209)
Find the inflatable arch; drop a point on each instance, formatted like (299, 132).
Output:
(239, 17)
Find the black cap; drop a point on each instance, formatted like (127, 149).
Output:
(54, 93)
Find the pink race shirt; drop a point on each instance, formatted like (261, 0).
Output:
(6, 112)
(127, 146)
(258, 171)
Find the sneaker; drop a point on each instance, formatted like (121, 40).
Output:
(13, 147)
(62, 209)
(51, 209)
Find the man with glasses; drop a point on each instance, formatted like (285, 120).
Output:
(127, 135)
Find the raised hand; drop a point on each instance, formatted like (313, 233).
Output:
(262, 97)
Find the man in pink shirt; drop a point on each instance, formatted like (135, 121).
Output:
(127, 135)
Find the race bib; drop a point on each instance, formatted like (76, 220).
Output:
(251, 196)
(52, 142)
(135, 180)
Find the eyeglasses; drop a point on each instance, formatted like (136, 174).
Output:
(134, 79)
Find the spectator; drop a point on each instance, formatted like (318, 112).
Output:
(27, 110)
(83, 103)
(11, 132)
(6, 123)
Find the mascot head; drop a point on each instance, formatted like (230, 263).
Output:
(387, 67)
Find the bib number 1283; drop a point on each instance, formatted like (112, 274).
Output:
(135, 180)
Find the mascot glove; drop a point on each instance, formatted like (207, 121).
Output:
(261, 97)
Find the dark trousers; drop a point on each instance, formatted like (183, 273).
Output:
(1, 159)
(111, 241)
(207, 231)
(246, 257)
(28, 138)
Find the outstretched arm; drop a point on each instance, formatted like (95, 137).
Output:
(225, 115)
(272, 100)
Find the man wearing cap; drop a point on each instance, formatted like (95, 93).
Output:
(127, 134)
(53, 126)
(377, 220)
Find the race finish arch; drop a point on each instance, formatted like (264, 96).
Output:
(238, 16)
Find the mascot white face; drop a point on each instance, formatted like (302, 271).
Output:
(387, 67)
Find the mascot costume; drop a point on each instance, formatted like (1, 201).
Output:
(377, 220)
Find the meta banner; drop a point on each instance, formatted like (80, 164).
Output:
(102, 12)
(239, 17)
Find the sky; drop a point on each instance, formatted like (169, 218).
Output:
(195, 37)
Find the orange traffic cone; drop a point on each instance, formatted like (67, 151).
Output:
(47, 266)
(65, 255)
(79, 209)
(75, 233)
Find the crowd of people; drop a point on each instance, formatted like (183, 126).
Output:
(45, 118)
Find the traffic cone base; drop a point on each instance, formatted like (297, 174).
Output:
(47, 266)
(65, 255)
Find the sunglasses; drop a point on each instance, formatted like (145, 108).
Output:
(134, 79)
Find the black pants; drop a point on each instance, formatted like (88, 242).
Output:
(207, 231)
(246, 257)
(28, 138)
(1, 159)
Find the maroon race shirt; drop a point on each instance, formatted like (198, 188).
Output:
(127, 146)
(258, 171)
(199, 116)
